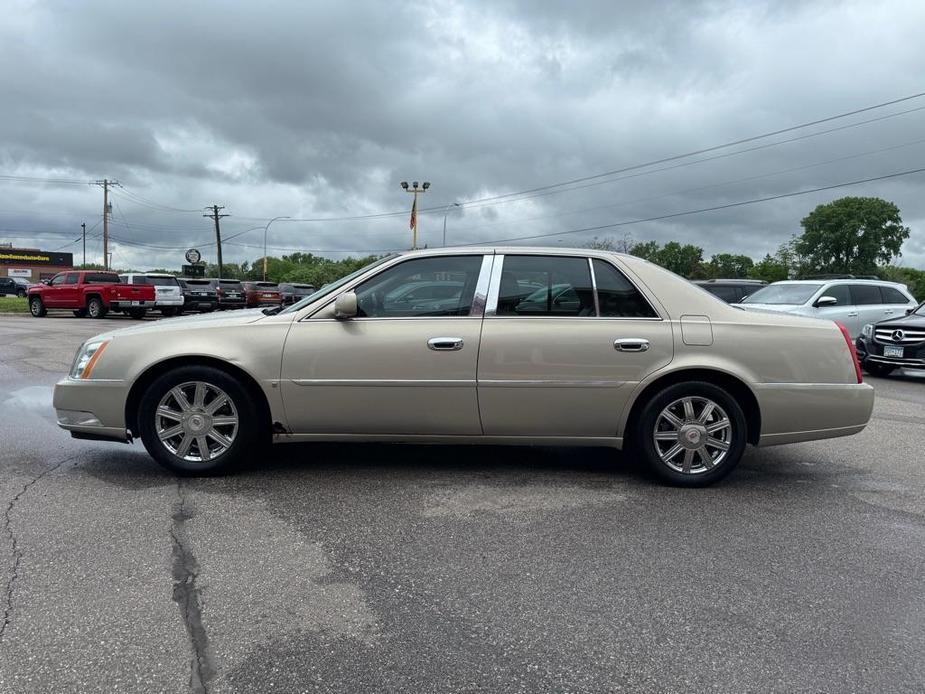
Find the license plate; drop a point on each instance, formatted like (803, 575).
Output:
(138, 303)
(202, 293)
(892, 351)
(234, 296)
(268, 296)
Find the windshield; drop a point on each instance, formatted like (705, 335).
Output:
(783, 294)
(920, 311)
(329, 289)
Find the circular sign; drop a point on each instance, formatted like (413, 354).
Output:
(193, 256)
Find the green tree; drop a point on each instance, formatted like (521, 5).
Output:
(913, 279)
(851, 235)
(648, 250)
(684, 260)
(729, 266)
(770, 269)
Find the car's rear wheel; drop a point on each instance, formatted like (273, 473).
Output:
(95, 308)
(878, 370)
(21, 294)
(691, 434)
(198, 420)
(137, 313)
(168, 312)
(36, 307)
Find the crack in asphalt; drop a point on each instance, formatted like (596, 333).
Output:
(14, 544)
(186, 595)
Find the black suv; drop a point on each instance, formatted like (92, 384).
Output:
(230, 293)
(198, 295)
(731, 291)
(292, 292)
(893, 343)
(14, 286)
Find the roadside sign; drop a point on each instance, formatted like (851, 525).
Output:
(193, 256)
(194, 270)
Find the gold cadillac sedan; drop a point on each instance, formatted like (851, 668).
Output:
(476, 345)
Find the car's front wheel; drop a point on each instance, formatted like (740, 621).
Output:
(198, 420)
(36, 307)
(691, 434)
(878, 370)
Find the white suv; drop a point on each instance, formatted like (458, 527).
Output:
(851, 302)
(168, 295)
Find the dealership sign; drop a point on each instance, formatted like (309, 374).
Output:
(18, 272)
(14, 257)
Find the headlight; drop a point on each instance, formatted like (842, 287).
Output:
(867, 330)
(87, 357)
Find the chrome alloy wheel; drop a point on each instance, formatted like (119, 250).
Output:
(692, 435)
(196, 421)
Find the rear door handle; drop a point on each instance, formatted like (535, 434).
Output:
(445, 344)
(631, 344)
(852, 315)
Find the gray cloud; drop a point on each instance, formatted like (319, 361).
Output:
(320, 109)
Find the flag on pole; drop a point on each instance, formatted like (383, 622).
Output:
(414, 214)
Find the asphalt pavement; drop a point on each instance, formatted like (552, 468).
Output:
(395, 568)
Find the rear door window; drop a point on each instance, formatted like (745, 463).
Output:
(545, 286)
(71, 278)
(616, 295)
(866, 294)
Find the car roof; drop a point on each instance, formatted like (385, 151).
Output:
(844, 281)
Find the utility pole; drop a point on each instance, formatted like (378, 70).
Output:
(107, 208)
(83, 229)
(218, 234)
(414, 208)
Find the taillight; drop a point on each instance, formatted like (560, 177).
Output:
(854, 352)
(218, 291)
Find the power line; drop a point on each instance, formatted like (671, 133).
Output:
(701, 210)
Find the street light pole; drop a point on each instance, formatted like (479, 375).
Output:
(445, 212)
(265, 230)
(414, 189)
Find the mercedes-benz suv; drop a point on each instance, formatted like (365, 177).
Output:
(892, 344)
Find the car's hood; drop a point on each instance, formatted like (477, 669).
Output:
(218, 319)
(775, 308)
(913, 321)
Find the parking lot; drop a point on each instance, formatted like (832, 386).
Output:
(388, 568)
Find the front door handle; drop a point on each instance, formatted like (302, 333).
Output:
(445, 344)
(852, 315)
(889, 312)
(631, 344)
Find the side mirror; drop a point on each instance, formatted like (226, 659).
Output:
(826, 301)
(909, 311)
(345, 305)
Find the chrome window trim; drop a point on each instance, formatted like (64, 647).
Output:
(597, 303)
(481, 288)
(494, 286)
(311, 310)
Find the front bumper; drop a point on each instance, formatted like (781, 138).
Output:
(93, 409)
(792, 412)
(872, 351)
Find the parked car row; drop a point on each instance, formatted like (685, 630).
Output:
(95, 294)
(14, 286)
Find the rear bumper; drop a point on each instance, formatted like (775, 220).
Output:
(169, 302)
(127, 304)
(792, 412)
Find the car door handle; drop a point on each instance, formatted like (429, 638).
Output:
(445, 344)
(631, 344)
(888, 312)
(853, 315)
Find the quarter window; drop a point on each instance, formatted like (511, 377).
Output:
(893, 296)
(617, 296)
(439, 286)
(545, 286)
(866, 294)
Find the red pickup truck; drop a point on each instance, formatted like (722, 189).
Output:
(90, 293)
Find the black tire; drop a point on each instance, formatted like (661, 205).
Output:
(21, 294)
(37, 307)
(95, 308)
(80, 313)
(168, 312)
(246, 438)
(137, 313)
(699, 474)
(878, 370)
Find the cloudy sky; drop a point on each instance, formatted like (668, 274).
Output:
(317, 110)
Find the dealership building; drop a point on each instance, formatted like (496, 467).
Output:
(33, 264)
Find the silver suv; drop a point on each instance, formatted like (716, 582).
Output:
(851, 302)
